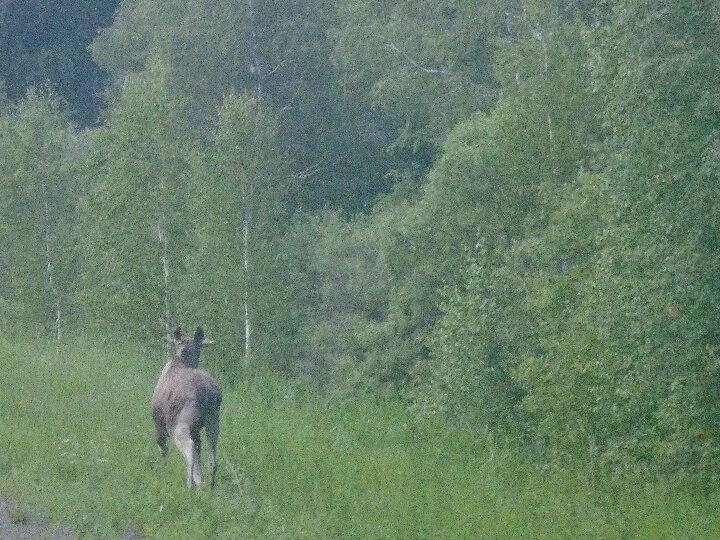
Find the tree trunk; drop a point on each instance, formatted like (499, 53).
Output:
(49, 268)
(165, 263)
(255, 66)
(257, 73)
(51, 275)
(247, 220)
(548, 113)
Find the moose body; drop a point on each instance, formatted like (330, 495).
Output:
(186, 401)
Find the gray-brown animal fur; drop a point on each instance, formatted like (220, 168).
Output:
(185, 401)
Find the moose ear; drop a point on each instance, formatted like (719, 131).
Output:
(178, 333)
(199, 335)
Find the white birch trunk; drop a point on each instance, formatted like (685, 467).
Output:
(540, 36)
(258, 76)
(51, 274)
(255, 66)
(165, 263)
(548, 114)
(246, 266)
(546, 70)
(49, 268)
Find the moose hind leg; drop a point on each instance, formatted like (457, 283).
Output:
(213, 431)
(161, 436)
(185, 445)
(196, 459)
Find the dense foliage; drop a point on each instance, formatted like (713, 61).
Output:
(507, 214)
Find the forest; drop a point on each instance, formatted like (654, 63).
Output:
(503, 215)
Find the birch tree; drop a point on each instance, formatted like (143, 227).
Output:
(134, 218)
(240, 216)
(37, 254)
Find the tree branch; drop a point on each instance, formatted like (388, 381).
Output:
(441, 70)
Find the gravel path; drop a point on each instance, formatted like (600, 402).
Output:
(20, 523)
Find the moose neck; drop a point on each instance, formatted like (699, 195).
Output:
(190, 361)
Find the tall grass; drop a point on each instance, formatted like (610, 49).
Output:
(76, 440)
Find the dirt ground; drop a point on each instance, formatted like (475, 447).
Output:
(18, 522)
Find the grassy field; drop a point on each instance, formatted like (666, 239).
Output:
(76, 440)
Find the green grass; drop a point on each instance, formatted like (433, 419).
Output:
(76, 440)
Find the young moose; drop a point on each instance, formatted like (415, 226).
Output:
(185, 401)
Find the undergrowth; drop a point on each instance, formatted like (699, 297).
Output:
(76, 440)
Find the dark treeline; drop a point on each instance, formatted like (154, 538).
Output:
(44, 43)
(505, 213)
